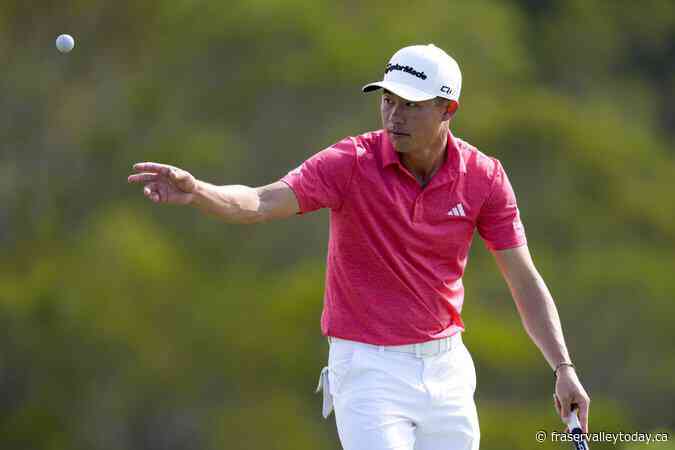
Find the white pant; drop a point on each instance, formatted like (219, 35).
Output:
(387, 400)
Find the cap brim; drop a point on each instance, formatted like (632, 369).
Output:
(402, 90)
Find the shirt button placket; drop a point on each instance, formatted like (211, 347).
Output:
(418, 209)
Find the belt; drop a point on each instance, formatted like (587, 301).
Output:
(429, 348)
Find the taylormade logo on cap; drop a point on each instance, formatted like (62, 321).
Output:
(421, 72)
(407, 69)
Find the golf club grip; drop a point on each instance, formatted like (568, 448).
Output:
(575, 428)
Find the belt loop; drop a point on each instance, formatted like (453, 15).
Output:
(417, 350)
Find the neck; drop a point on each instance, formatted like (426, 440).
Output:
(425, 162)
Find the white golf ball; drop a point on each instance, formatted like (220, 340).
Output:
(65, 43)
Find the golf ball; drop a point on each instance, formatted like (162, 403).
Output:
(65, 43)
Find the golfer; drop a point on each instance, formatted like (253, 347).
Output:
(404, 203)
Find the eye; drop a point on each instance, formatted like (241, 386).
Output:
(411, 104)
(386, 100)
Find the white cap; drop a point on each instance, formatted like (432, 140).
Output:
(421, 72)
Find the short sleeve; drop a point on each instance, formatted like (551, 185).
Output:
(499, 220)
(322, 180)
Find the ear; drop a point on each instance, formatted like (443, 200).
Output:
(452, 109)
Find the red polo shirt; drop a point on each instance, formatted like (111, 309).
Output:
(397, 251)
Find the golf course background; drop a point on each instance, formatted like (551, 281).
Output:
(130, 325)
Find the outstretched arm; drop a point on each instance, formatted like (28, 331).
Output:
(541, 321)
(232, 204)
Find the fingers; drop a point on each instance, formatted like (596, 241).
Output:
(583, 414)
(567, 406)
(143, 177)
(152, 191)
(162, 169)
(157, 192)
(556, 404)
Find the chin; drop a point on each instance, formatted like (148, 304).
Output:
(400, 148)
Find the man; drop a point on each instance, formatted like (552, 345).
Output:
(404, 201)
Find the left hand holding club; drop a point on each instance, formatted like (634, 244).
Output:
(569, 392)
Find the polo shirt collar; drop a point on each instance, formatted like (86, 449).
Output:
(454, 162)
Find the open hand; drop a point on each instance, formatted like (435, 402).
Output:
(164, 183)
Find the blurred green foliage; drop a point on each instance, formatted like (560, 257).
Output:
(128, 325)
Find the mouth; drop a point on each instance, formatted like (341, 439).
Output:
(398, 133)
